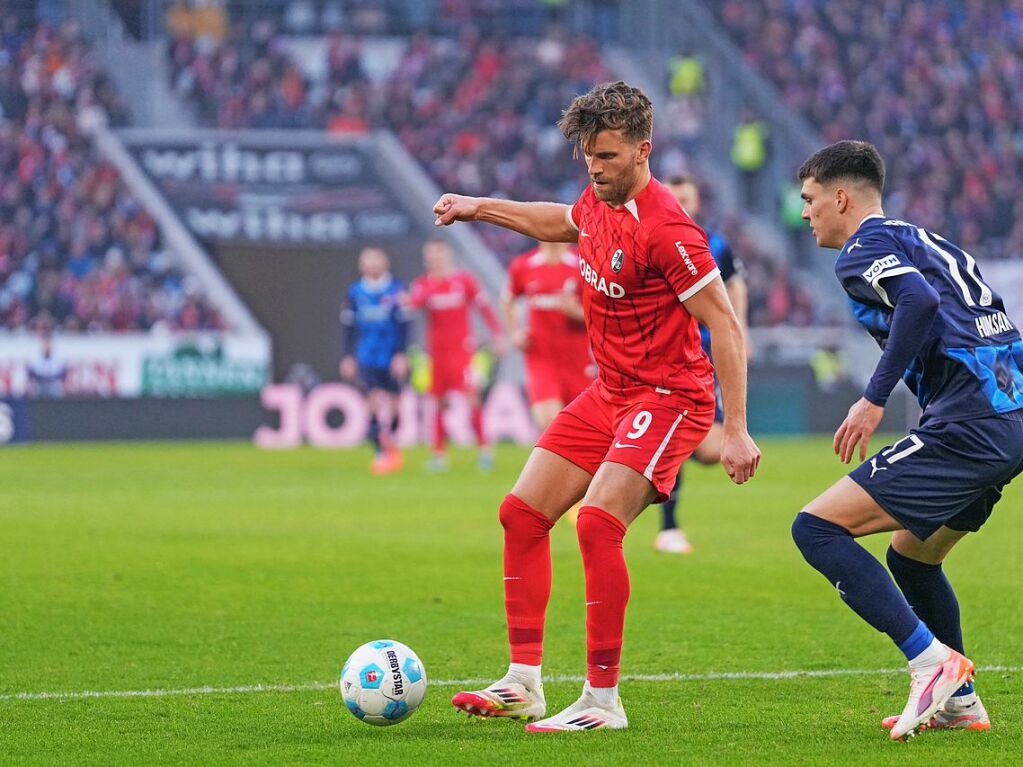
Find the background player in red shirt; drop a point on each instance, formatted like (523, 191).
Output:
(649, 278)
(447, 295)
(553, 342)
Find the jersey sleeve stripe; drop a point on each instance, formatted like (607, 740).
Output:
(875, 283)
(568, 218)
(700, 285)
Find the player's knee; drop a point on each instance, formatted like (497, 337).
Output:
(901, 566)
(519, 517)
(596, 529)
(811, 533)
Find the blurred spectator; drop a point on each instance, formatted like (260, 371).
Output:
(77, 251)
(935, 85)
(47, 373)
(749, 154)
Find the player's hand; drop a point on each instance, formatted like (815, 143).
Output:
(858, 427)
(399, 367)
(349, 368)
(455, 207)
(740, 456)
(520, 338)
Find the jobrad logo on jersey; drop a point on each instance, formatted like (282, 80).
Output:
(685, 257)
(598, 283)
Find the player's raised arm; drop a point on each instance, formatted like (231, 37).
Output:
(739, 453)
(544, 221)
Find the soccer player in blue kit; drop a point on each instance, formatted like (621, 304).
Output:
(374, 336)
(944, 331)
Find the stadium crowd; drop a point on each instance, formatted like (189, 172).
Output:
(479, 112)
(77, 251)
(935, 85)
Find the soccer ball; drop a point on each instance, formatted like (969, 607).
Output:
(383, 683)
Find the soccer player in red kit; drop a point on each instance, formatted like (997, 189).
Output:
(554, 341)
(648, 280)
(447, 295)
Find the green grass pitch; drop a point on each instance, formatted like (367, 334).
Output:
(171, 567)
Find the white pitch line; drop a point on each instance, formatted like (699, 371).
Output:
(674, 677)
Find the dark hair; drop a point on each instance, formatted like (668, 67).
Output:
(680, 179)
(857, 160)
(608, 106)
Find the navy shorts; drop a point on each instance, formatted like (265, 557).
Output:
(719, 402)
(945, 473)
(378, 378)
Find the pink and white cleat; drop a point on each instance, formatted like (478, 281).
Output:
(587, 713)
(962, 713)
(503, 698)
(929, 690)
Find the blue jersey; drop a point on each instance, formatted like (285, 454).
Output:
(729, 265)
(374, 322)
(971, 363)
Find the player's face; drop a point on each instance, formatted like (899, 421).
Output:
(688, 196)
(373, 263)
(820, 209)
(436, 258)
(614, 165)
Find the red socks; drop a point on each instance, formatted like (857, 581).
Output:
(527, 585)
(438, 429)
(607, 592)
(477, 426)
(527, 578)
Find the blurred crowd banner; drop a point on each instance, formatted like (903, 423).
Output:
(270, 188)
(134, 365)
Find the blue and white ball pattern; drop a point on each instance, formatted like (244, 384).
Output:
(383, 683)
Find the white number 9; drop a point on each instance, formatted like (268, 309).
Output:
(640, 424)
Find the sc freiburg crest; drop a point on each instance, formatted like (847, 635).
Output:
(616, 261)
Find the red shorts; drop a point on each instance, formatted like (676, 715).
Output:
(649, 432)
(548, 379)
(451, 373)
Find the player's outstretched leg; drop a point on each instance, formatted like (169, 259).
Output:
(672, 539)
(607, 594)
(936, 670)
(527, 589)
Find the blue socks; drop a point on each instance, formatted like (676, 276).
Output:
(859, 578)
(931, 596)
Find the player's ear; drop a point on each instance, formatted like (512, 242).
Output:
(841, 200)
(643, 151)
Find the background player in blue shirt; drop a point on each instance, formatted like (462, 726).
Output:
(944, 331)
(374, 337)
(672, 539)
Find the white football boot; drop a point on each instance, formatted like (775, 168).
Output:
(929, 690)
(673, 541)
(504, 698)
(965, 712)
(587, 713)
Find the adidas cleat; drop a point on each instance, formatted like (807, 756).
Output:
(585, 714)
(929, 690)
(508, 699)
(954, 715)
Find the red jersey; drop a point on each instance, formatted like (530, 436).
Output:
(552, 333)
(638, 263)
(447, 301)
